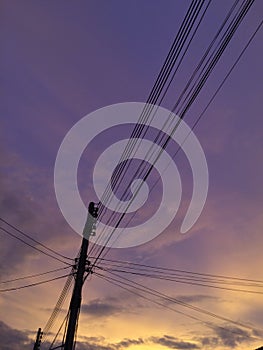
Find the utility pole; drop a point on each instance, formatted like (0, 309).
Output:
(75, 302)
(38, 339)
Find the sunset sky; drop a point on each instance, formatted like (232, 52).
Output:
(62, 60)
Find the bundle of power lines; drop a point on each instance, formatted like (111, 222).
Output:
(187, 97)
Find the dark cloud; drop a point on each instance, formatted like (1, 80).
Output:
(232, 336)
(174, 343)
(91, 339)
(211, 342)
(196, 298)
(125, 343)
(99, 344)
(258, 333)
(102, 307)
(12, 339)
(228, 337)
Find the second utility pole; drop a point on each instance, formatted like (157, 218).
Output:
(75, 302)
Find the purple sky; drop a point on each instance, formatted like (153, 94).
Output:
(63, 60)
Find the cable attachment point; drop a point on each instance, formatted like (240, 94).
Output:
(90, 226)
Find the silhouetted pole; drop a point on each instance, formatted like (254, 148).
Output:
(75, 302)
(38, 339)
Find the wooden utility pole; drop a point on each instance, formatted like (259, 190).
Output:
(38, 339)
(75, 302)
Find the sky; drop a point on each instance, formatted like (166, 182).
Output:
(61, 61)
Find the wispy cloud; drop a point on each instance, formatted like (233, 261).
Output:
(196, 298)
(174, 343)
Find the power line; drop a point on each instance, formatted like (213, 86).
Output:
(203, 78)
(209, 103)
(120, 285)
(212, 98)
(177, 46)
(175, 50)
(58, 307)
(78, 271)
(184, 33)
(162, 269)
(32, 284)
(223, 81)
(177, 55)
(59, 330)
(164, 304)
(224, 41)
(184, 280)
(216, 54)
(30, 245)
(153, 292)
(35, 275)
(61, 299)
(34, 240)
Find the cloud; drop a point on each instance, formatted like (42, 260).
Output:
(102, 307)
(125, 343)
(174, 343)
(196, 298)
(12, 339)
(93, 345)
(232, 336)
(91, 339)
(211, 342)
(228, 337)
